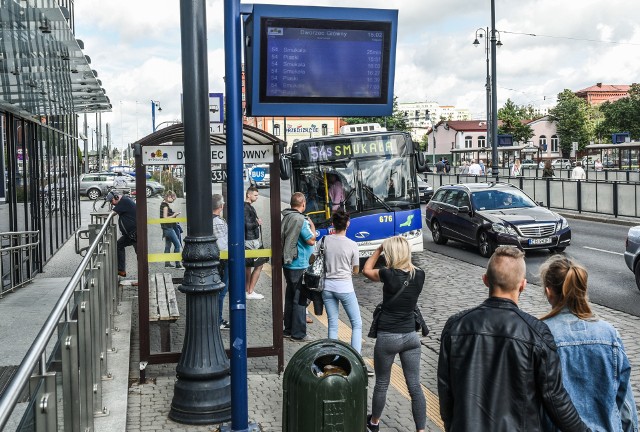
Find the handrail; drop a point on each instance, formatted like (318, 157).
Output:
(9, 399)
(19, 249)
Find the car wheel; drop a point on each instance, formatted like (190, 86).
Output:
(637, 273)
(436, 233)
(557, 249)
(93, 194)
(149, 192)
(485, 245)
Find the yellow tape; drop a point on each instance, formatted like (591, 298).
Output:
(157, 221)
(249, 253)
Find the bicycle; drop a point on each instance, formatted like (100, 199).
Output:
(100, 202)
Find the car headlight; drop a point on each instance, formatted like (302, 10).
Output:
(504, 229)
(562, 224)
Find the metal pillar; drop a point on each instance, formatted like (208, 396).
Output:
(235, 208)
(202, 393)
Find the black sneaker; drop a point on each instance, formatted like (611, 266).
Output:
(372, 427)
(168, 265)
(179, 266)
(224, 325)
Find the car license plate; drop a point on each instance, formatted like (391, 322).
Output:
(540, 241)
(365, 253)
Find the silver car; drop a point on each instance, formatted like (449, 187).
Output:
(94, 185)
(632, 252)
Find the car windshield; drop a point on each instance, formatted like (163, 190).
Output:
(500, 199)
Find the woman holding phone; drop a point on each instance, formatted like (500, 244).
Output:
(169, 229)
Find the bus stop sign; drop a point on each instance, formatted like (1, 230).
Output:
(257, 174)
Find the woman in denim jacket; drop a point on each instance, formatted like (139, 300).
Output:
(595, 367)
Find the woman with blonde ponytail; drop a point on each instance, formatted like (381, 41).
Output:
(595, 367)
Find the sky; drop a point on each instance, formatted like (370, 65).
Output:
(548, 46)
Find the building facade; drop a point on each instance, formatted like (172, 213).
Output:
(599, 93)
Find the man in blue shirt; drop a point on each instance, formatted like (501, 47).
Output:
(298, 237)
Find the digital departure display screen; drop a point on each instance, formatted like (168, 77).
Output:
(331, 60)
(319, 61)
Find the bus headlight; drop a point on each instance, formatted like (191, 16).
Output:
(409, 235)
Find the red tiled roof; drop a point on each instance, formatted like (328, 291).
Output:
(608, 88)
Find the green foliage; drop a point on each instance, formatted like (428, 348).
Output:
(571, 115)
(512, 117)
(166, 179)
(622, 115)
(424, 142)
(397, 120)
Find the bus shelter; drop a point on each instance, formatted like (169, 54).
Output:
(165, 149)
(622, 156)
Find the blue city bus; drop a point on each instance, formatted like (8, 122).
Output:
(370, 175)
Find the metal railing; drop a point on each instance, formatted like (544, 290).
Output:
(617, 198)
(18, 252)
(58, 385)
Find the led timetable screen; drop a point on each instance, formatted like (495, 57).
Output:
(307, 60)
(319, 61)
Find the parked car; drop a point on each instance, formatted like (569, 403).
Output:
(632, 252)
(94, 185)
(489, 215)
(425, 190)
(125, 169)
(561, 163)
(528, 163)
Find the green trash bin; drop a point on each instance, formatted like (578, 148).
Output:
(325, 389)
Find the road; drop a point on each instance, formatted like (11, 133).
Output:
(597, 246)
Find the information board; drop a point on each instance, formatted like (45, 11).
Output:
(308, 61)
(174, 154)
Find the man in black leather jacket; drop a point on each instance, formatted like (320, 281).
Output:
(498, 366)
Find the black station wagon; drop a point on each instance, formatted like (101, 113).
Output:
(489, 215)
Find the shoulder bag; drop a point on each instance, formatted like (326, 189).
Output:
(315, 273)
(373, 330)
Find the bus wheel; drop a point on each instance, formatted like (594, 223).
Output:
(436, 233)
(285, 169)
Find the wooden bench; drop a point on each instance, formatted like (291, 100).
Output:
(163, 306)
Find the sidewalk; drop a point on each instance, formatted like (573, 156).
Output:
(451, 286)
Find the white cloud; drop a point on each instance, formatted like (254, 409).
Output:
(135, 47)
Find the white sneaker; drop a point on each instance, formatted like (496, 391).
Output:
(255, 296)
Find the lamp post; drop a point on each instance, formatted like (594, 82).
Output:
(154, 104)
(491, 36)
(433, 131)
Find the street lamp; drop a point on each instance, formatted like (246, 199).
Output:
(154, 104)
(492, 36)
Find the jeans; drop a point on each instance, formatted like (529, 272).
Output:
(170, 236)
(295, 315)
(384, 353)
(123, 242)
(224, 267)
(350, 304)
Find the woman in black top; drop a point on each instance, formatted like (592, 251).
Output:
(396, 328)
(547, 171)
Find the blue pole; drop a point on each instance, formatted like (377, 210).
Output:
(153, 116)
(237, 299)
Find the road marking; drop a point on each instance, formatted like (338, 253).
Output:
(603, 250)
(397, 377)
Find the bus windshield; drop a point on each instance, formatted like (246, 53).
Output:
(358, 174)
(372, 176)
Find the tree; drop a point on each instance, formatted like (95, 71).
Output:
(570, 115)
(512, 117)
(622, 115)
(396, 121)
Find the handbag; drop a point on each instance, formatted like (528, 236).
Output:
(373, 330)
(314, 274)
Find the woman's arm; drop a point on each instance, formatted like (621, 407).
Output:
(368, 270)
(165, 211)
